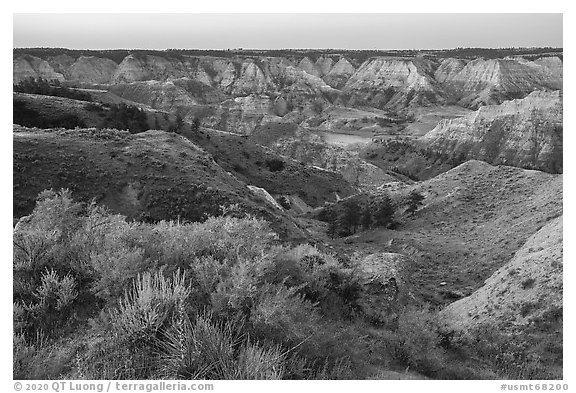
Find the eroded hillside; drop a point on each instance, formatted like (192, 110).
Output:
(149, 176)
(475, 217)
(299, 84)
(526, 133)
(426, 184)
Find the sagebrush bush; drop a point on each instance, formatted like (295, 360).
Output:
(149, 307)
(282, 315)
(319, 278)
(111, 356)
(222, 238)
(218, 299)
(49, 308)
(509, 355)
(416, 341)
(207, 349)
(115, 267)
(22, 355)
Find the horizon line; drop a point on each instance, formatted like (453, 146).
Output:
(308, 49)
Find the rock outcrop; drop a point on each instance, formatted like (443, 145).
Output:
(33, 67)
(91, 69)
(524, 133)
(339, 73)
(486, 82)
(265, 196)
(392, 83)
(384, 280)
(165, 96)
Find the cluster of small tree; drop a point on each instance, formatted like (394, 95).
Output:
(178, 125)
(353, 215)
(116, 55)
(49, 88)
(415, 200)
(493, 53)
(126, 117)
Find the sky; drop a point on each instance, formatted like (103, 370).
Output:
(282, 30)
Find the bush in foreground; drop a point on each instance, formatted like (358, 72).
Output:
(137, 297)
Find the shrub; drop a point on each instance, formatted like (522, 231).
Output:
(115, 267)
(195, 126)
(22, 355)
(528, 283)
(414, 201)
(54, 298)
(282, 315)
(148, 308)
(510, 355)
(140, 282)
(205, 349)
(275, 164)
(126, 117)
(110, 356)
(382, 211)
(349, 219)
(415, 342)
(222, 238)
(317, 276)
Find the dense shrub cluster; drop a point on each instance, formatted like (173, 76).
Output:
(29, 117)
(514, 355)
(120, 117)
(44, 87)
(345, 218)
(126, 117)
(97, 297)
(217, 299)
(275, 164)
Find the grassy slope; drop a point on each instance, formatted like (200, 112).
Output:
(247, 161)
(154, 175)
(476, 216)
(93, 114)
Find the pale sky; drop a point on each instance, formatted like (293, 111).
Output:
(273, 31)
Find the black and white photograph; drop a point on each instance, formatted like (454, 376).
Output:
(287, 196)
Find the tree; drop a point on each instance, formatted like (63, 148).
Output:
(366, 218)
(332, 225)
(351, 216)
(176, 126)
(414, 201)
(195, 124)
(382, 211)
(179, 123)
